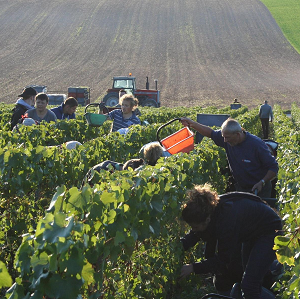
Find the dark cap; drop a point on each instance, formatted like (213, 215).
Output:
(29, 91)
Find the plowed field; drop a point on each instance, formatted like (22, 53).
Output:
(202, 52)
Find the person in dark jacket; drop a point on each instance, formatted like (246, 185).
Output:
(67, 109)
(23, 104)
(240, 225)
(250, 161)
(265, 114)
(111, 166)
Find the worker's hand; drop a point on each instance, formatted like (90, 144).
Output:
(257, 186)
(101, 107)
(186, 270)
(187, 122)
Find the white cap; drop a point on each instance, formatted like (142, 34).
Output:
(72, 144)
(28, 122)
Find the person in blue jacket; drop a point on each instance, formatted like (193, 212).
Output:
(67, 109)
(240, 228)
(250, 161)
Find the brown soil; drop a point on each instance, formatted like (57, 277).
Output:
(201, 52)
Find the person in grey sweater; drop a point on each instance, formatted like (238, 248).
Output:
(265, 115)
(41, 113)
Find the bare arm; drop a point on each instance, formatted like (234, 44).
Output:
(202, 129)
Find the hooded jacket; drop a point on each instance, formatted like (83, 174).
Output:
(18, 111)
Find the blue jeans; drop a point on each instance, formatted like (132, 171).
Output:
(258, 256)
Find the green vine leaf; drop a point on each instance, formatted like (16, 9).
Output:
(119, 238)
(283, 252)
(5, 278)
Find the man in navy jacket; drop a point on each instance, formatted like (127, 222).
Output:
(67, 109)
(250, 161)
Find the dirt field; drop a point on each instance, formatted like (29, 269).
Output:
(201, 52)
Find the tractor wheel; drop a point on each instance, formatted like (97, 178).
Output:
(111, 99)
(149, 103)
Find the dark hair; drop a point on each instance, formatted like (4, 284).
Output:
(72, 102)
(26, 97)
(201, 204)
(133, 163)
(42, 96)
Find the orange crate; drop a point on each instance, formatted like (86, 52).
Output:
(180, 141)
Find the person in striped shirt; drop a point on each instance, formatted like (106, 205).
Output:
(125, 117)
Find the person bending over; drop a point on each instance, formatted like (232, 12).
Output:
(238, 222)
(152, 151)
(111, 166)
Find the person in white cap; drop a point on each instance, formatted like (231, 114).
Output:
(72, 144)
(24, 103)
(26, 121)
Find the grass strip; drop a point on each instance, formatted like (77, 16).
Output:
(287, 15)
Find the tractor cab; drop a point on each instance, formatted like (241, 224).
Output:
(127, 83)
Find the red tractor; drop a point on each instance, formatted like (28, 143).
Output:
(146, 97)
